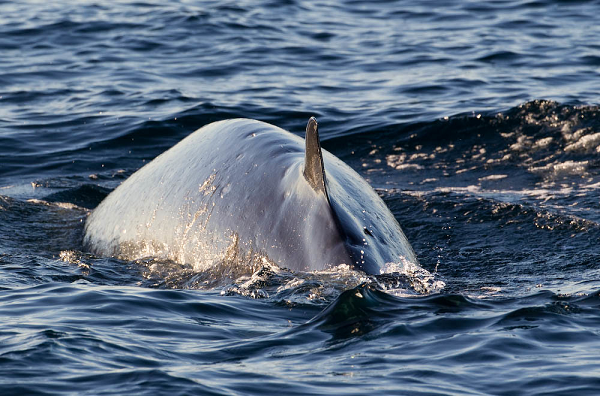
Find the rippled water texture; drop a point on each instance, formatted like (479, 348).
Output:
(476, 122)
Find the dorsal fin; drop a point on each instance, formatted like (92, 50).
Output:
(314, 170)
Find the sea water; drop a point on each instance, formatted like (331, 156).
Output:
(476, 122)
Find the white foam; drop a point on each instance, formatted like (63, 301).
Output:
(562, 168)
(493, 177)
(542, 143)
(62, 205)
(585, 143)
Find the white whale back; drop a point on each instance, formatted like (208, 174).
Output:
(231, 184)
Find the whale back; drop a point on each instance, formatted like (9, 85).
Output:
(253, 187)
(371, 234)
(236, 182)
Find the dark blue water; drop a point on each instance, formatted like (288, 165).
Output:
(477, 123)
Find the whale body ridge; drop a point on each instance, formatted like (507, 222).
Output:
(252, 185)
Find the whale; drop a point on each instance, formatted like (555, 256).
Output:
(251, 188)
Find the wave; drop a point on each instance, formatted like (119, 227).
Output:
(537, 143)
(496, 187)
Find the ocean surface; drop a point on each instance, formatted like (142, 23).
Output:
(476, 122)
